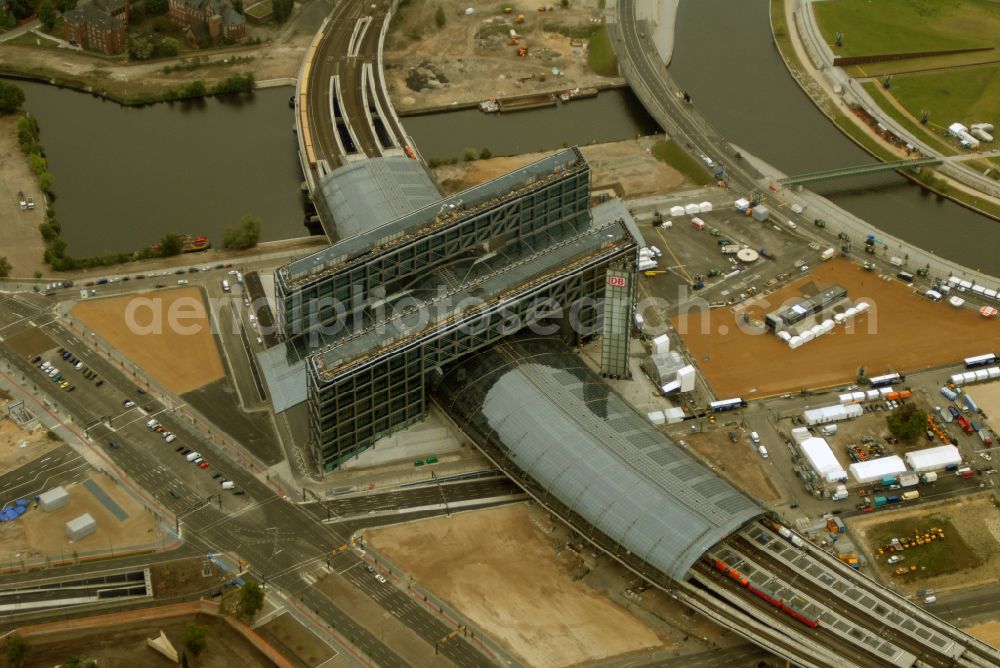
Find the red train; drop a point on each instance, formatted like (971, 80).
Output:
(745, 582)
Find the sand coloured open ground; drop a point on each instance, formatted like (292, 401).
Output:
(989, 632)
(903, 332)
(977, 522)
(987, 397)
(737, 462)
(180, 358)
(39, 534)
(500, 570)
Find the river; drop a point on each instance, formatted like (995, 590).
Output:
(613, 115)
(126, 176)
(725, 58)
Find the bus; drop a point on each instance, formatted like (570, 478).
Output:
(727, 405)
(887, 379)
(980, 360)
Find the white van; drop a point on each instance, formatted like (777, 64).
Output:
(755, 437)
(169, 438)
(225, 285)
(191, 456)
(228, 484)
(153, 424)
(762, 450)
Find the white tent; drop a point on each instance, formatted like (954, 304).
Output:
(822, 459)
(692, 209)
(704, 207)
(933, 459)
(676, 211)
(876, 469)
(834, 413)
(801, 434)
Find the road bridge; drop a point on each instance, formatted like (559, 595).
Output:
(858, 170)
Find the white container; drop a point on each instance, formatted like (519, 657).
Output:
(661, 345)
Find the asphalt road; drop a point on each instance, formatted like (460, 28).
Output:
(276, 537)
(62, 466)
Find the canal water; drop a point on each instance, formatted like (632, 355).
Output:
(725, 58)
(613, 115)
(125, 176)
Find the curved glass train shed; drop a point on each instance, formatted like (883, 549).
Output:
(537, 407)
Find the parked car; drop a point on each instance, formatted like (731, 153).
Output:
(128, 403)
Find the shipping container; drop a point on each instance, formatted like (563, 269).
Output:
(950, 394)
(970, 403)
(892, 499)
(929, 477)
(889, 480)
(880, 501)
(909, 480)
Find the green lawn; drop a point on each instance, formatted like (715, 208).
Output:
(968, 95)
(936, 558)
(600, 56)
(31, 39)
(922, 132)
(901, 26)
(671, 153)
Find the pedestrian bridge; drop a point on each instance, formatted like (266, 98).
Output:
(841, 172)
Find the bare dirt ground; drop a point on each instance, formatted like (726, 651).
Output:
(498, 568)
(987, 397)
(974, 517)
(626, 166)
(40, 534)
(185, 576)
(18, 447)
(20, 240)
(737, 462)
(989, 632)
(450, 65)
(182, 357)
(124, 645)
(933, 333)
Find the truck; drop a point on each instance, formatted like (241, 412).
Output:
(828, 254)
(954, 412)
(730, 249)
(964, 424)
(911, 495)
(889, 480)
(909, 480)
(986, 436)
(880, 501)
(893, 499)
(965, 472)
(929, 477)
(970, 403)
(949, 394)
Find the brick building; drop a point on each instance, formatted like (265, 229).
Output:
(216, 18)
(94, 28)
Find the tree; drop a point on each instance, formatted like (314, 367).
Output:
(195, 637)
(156, 7)
(17, 647)
(46, 181)
(485, 154)
(469, 154)
(251, 601)
(282, 9)
(37, 163)
(47, 14)
(11, 98)
(194, 89)
(171, 245)
(439, 17)
(907, 422)
(243, 237)
(22, 9)
(66, 5)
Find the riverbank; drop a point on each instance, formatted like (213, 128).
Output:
(144, 82)
(20, 241)
(792, 45)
